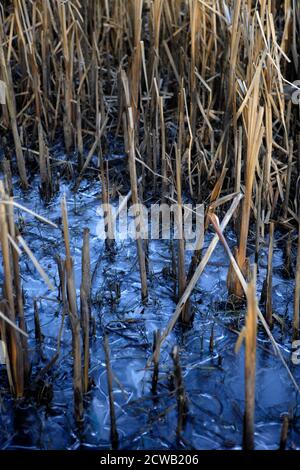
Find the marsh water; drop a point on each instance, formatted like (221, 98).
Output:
(213, 377)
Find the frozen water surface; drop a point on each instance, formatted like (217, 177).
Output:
(214, 381)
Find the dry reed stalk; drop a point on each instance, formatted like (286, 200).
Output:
(28, 211)
(45, 46)
(35, 262)
(12, 339)
(62, 293)
(268, 305)
(211, 340)
(196, 258)
(195, 37)
(135, 73)
(114, 437)
(288, 179)
(9, 322)
(235, 31)
(45, 170)
(129, 127)
(259, 223)
(288, 269)
(8, 184)
(11, 106)
(181, 275)
(79, 136)
(85, 305)
(164, 169)
(67, 38)
(250, 364)
(180, 392)
(238, 160)
(255, 131)
(156, 355)
(37, 324)
(107, 210)
(156, 17)
(18, 291)
(3, 336)
(269, 147)
(284, 431)
(74, 319)
(80, 98)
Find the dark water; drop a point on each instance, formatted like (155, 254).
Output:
(214, 381)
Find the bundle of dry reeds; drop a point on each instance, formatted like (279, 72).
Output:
(226, 61)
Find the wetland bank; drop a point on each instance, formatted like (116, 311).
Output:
(111, 341)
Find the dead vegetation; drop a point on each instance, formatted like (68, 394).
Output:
(199, 94)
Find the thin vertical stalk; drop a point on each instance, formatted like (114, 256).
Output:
(74, 319)
(250, 364)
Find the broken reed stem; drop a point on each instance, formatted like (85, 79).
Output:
(250, 364)
(114, 437)
(212, 340)
(85, 305)
(107, 211)
(74, 319)
(181, 276)
(37, 324)
(284, 431)
(156, 352)
(182, 407)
